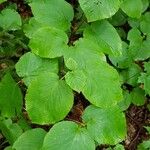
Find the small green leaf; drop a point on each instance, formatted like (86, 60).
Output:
(54, 13)
(124, 60)
(30, 140)
(68, 135)
(30, 66)
(144, 24)
(119, 147)
(137, 96)
(48, 99)
(100, 32)
(99, 9)
(132, 8)
(134, 36)
(48, 42)
(145, 79)
(125, 103)
(10, 97)
(131, 74)
(106, 126)
(145, 5)
(10, 130)
(145, 145)
(118, 19)
(10, 20)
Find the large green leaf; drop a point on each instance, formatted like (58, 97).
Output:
(101, 33)
(30, 65)
(48, 99)
(30, 140)
(48, 42)
(132, 8)
(11, 131)
(98, 81)
(68, 136)
(54, 13)
(106, 126)
(99, 9)
(10, 97)
(10, 20)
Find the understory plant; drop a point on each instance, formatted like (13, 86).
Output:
(73, 49)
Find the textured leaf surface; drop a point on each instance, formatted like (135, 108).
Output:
(131, 74)
(30, 140)
(104, 122)
(132, 8)
(10, 130)
(30, 66)
(54, 13)
(10, 20)
(48, 99)
(144, 24)
(97, 79)
(137, 97)
(31, 27)
(101, 33)
(68, 136)
(48, 42)
(124, 60)
(10, 97)
(99, 9)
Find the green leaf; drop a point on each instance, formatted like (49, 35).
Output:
(11, 131)
(68, 135)
(137, 96)
(124, 60)
(76, 80)
(1, 1)
(144, 24)
(119, 147)
(145, 5)
(100, 33)
(99, 9)
(31, 27)
(10, 20)
(125, 103)
(147, 67)
(106, 126)
(97, 77)
(8, 148)
(54, 97)
(10, 97)
(148, 129)
(134, 36)
(132, 8)
(30, 140)
(118, 19)
(48, 42)
(144, 145)
(54, 13)
(30, 66)
(131, 74)
(145, 79)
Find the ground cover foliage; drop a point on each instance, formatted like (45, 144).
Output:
(74, 74)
